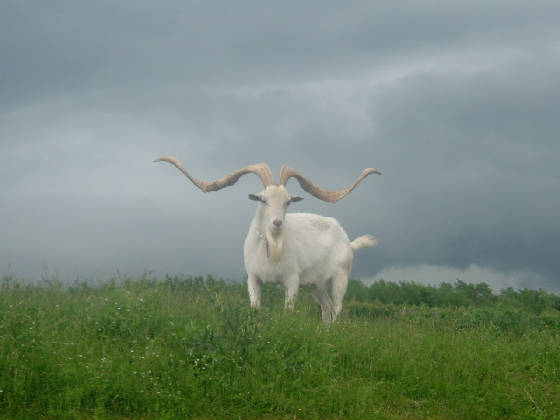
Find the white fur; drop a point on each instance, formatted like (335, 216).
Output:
(312, 250)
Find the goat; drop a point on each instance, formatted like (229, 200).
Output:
(297, 248)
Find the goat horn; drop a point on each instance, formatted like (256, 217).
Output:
(322, 194)
(260, 169)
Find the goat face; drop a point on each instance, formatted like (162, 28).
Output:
(273, 203)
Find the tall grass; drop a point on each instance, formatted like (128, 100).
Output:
(192, 348)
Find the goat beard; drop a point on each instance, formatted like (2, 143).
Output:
(275, 245)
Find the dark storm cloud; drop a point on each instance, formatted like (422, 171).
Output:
(480, 171)
(456, 104)
(65, 45)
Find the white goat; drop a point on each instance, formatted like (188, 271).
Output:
(297, 248)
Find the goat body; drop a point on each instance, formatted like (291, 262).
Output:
(315, 249)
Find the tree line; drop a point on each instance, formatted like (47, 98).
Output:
(458, 294)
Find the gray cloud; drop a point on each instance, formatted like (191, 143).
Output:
(454, 103)
(484, 152)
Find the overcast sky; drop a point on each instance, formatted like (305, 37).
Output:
(457, 103)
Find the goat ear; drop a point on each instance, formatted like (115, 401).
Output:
(254, 197)
(295, 198)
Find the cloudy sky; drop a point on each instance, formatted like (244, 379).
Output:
(457, 103)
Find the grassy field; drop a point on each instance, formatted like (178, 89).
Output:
(190, 348)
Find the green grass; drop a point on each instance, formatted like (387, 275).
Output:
(188, 348)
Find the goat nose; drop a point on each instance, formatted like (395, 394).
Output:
(277, 223)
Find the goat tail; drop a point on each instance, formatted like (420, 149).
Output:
(363, 242)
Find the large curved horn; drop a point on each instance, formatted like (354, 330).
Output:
(322, 194)
(260, 169)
